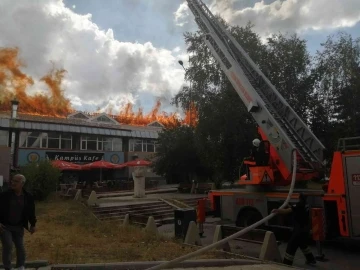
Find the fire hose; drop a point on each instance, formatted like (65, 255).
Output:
(171, 263)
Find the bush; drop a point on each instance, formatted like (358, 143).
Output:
(41, 179)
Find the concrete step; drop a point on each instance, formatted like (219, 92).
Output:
(122, 194)
(133, 206)
(130, 208)
(153, 213)
(159, 222)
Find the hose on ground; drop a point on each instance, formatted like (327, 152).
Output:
(172, 263)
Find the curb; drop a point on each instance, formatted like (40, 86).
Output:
(149, 264)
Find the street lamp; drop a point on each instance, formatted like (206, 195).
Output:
(12, 132)
(182, 64)
(14, 108)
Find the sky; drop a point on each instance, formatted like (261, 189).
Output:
(119, 51)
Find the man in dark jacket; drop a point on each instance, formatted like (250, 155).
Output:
(301, 231)
(258, 153)
(17, 210)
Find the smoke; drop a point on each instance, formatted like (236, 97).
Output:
(99, 67)
(283, 15)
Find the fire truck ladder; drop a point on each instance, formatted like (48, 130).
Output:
(283, 127)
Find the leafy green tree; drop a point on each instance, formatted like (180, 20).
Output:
(288, 66)
(338, 89)
(176, 158)
(225, 129)
(41, 178)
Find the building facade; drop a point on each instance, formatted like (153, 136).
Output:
(80, 138)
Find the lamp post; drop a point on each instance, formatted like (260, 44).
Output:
(182, 64)
(14, 108)
(12, 134)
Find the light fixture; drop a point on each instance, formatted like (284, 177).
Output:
(14, 108)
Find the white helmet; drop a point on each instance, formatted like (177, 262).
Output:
(256, 142)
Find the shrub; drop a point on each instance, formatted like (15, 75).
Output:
(41, 178)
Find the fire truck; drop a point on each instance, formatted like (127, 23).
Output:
(263, 188)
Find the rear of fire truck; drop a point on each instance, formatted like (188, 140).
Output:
(263, 188)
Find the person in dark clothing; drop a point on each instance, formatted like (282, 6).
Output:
(301, 231)
(258, 153)
(17, 210)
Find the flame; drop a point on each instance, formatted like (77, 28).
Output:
(14, 83)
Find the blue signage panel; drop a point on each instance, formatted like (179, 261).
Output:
(26, 156)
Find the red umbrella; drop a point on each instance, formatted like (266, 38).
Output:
(119, 166)
(138, 162)
(63, 165)
(101, 164)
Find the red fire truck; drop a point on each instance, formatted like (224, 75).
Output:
(263, 188)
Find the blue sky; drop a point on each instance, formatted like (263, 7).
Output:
(152, 20)
(119, 51)
(135, 20)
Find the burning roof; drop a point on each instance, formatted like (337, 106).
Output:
(14, 84)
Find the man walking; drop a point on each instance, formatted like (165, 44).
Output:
(17, 210)
(301, 231)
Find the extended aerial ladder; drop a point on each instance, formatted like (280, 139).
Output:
(278, 123)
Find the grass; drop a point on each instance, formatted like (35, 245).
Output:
(67, 232)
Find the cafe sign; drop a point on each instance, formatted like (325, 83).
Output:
(74, 156)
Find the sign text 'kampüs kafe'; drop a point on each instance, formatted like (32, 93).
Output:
(74, 157)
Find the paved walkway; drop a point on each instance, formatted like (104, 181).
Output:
(340, 256)
(238, 267)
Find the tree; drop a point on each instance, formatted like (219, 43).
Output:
(225, 128)
(288, 66)
(338, 89)
(41, 178)
(176, 158)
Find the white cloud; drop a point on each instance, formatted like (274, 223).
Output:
(100, 69)
(284, 15)
(181, 14)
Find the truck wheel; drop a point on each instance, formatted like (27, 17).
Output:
(248, 217)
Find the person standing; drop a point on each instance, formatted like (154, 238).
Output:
(259, 153)
(301, 231)
(17, 210)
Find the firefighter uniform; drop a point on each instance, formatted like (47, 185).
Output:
(300, 235)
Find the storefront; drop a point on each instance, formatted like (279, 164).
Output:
(79, 138)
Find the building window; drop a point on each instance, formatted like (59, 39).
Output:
(95, 143)
(117, 144)
(66, 141)
(142, 146)
(49, 140)
(150, 146)
(4, 137)
(89, 143)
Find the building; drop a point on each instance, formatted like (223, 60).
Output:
(80, 138)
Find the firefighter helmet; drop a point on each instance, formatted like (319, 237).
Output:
(256, 142)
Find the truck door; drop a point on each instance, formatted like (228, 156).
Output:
(352, 176)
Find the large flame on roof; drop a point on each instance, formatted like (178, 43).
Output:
(14, 84)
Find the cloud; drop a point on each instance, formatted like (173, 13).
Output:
(284, 15)
(100, 69)
(181, 14)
